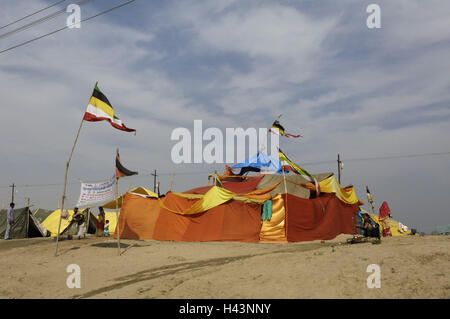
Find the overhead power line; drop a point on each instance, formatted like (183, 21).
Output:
(39, 21)
(379, 158)
(31, 14)
(66, 27)
(209, 171)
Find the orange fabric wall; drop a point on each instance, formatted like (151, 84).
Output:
(138, 217)
(321, 218)
(242, 221)
(143, 218)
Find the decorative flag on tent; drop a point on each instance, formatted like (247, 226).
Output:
(99, 109)
(278, 129)
(285, 161)
(369, 198)
(121, 171)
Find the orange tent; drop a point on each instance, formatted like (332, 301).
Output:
(293, 218)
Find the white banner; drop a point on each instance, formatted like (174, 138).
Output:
(95, 194)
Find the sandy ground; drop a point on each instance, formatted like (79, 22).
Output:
(411, 267)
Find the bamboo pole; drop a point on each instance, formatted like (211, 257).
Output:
(286, 192)
(171, 182)
(117, 215)
(65, 184)
(88, 217)
(28, 215)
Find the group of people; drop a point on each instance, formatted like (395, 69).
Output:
(80, 220)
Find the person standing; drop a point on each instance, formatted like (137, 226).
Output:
(106, 230)
(101, 222)
(9, 221)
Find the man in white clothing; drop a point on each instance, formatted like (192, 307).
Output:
(9, 221)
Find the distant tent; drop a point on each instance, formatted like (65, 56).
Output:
(51, 223)
(22, 228)
(443, 230)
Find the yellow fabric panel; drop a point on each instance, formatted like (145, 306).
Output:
(138, 190)
(217, 196)
(331, 185)
(214, 197)
(51, 223)
(263, 191)
(274, 230)
(392, 223)
(102, 106)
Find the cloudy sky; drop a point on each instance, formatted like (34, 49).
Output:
(347, 89)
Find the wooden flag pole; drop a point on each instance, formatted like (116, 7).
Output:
(65, 184)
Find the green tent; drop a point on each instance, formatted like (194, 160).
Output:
(443, 230)
(25, 224)
(41, 214)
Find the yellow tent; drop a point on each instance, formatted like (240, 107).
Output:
(51, 223)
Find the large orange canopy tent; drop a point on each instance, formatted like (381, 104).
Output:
(233, 211)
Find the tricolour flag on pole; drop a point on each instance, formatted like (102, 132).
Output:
(369, 198)
(99, 109)
(278, 129)
(121, 171)
(285, 161)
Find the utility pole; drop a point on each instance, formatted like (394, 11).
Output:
(339, 168)
(12, 192)
(154, 181)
